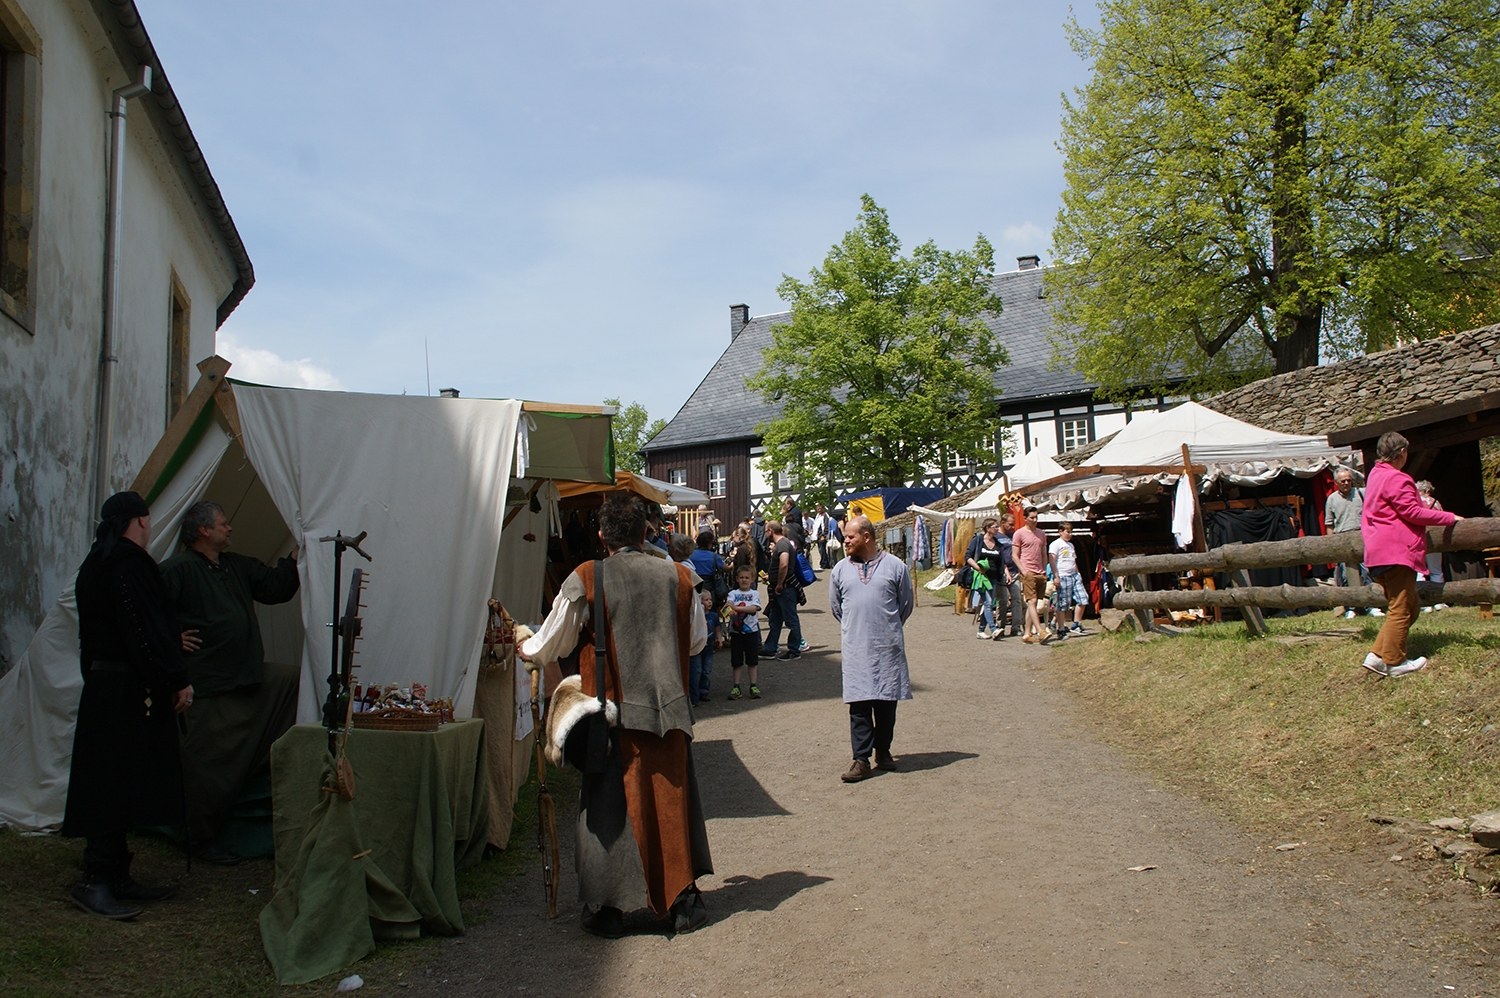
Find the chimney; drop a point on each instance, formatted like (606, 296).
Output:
(739, 318)
(1028, 262)
(448, 393)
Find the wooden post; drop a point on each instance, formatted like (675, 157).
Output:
(1255, 621)
(1142, 617)
(1200, 535)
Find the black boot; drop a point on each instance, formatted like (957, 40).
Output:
(95, 897)
(124, 887)
(688, 912)
(604, 921)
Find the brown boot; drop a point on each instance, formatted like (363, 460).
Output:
(858, 770)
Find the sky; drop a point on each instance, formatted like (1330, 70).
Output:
(560, 202)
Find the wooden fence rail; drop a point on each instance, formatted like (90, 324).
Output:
(1469, 593)
(1473, 534)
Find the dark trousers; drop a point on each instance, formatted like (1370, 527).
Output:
(1008, 599)
(744, 649)
(105, 857)
(783, 608)
(700, 670)
(871, 725)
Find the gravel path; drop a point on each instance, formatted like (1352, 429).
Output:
(996, 861)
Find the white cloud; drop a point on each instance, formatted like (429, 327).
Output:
(266, 368)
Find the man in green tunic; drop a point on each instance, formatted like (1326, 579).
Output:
(241, 702)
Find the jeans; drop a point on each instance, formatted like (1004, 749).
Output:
(700, 668)
(871, 725)
(783, 608)
(986, 599)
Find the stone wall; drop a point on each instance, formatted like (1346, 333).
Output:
(1404, 379)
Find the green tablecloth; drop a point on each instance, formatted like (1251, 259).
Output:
(420, 808)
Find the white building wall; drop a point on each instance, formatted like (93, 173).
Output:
(49, 374)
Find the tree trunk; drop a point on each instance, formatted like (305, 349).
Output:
(1297, 346)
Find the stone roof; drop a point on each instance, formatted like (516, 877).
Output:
(1404, 379)
(722, 409)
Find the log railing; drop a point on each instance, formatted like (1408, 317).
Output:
(1474, 534)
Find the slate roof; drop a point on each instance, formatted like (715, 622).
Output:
(722, 409)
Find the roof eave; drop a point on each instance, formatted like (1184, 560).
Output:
(133, 46)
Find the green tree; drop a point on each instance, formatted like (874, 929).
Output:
(885, 363)
(1254, 183)
(631, 432)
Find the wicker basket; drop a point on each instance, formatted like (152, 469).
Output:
(396, 719)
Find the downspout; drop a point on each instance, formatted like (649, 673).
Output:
(108, 338)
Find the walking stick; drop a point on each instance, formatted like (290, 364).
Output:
(546, 813)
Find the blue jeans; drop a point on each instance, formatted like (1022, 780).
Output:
(986, 599)
(700, 668)
(783, 608)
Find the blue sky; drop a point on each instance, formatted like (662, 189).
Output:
(562, 200)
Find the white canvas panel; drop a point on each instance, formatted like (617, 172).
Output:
(426, 478)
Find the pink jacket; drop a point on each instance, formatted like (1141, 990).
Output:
(1394, 522)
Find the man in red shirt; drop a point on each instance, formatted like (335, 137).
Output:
(1030, 554)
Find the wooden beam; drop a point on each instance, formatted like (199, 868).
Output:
(562, 407)
(1472, 592)
(1477, 533)
(1255, 621)
(1356, 435)
(211, 373)
(1123, 470)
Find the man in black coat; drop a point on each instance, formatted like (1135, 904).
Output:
(126, 770)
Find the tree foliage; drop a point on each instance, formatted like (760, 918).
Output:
(632, 431)
(885, 363)
(1254, 183)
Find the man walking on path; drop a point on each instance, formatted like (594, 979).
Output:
(870, 594)
(783, 582)
(1029, 545)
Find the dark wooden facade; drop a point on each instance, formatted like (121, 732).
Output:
(731, 507)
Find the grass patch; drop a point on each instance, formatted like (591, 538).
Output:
(1277, 732)
(205, 941)
(922, 577)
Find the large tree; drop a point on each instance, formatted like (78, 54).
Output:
(632, 427)
(886, 363)
(1253, 184)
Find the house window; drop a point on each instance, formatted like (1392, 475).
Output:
(783, 482)
(677, 476)
(179, 349)
(718, 481)
(1075, 433)
(20, 105)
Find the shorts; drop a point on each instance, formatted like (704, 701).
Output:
(1033, 586)
(1070, 593)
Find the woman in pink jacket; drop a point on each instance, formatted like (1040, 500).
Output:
(1394, 527)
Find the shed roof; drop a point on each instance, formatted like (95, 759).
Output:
(1362, 390)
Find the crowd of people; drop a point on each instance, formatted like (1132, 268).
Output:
(1015, 574)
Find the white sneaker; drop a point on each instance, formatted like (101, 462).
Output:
(1348, 614)
(1426, 609)
(1440, 606)
(1375, 611)
(1374, 664)
(983, 635)
(998, 635)
(1408, 667)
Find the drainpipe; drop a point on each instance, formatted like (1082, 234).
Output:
(104, 414)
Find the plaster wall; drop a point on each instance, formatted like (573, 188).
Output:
(49, 374)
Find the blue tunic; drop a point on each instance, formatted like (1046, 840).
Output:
(871, 601)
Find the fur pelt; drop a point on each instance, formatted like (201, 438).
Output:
(568, 706)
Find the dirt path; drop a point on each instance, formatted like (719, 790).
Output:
(995, 862)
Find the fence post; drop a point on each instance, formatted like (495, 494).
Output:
(1142, 618)
(1255, 621)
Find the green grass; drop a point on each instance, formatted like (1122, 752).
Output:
(1277, 733)
(205, 940)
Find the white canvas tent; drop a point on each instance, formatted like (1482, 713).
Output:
(427, 478)
(1034, 466)
(1148, 453)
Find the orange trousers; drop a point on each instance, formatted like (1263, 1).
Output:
(1400, 585)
